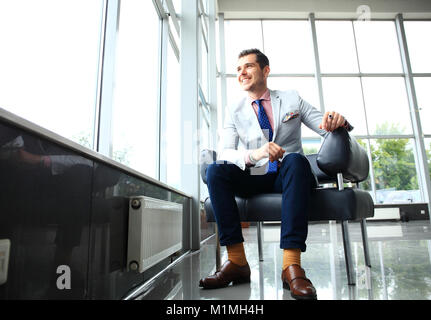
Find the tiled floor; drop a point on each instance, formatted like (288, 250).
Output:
(400, 254)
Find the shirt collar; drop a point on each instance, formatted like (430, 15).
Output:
(265, 96)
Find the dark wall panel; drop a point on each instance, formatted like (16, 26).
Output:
(44, 212)
(69, 211)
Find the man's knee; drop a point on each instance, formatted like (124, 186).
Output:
(217, 170)
(295, 159)
(297, 163)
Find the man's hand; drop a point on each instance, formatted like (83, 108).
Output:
(269, 149)
(331, 121)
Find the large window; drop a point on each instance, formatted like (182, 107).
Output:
(136, 91)
(362, 77)
(49, 63)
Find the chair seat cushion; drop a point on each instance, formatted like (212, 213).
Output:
(326, 204)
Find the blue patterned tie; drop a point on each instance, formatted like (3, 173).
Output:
(265, 125)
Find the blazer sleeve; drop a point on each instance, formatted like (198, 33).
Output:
(228, 146)
(311, 117)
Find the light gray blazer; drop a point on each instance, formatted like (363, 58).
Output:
(242, 131)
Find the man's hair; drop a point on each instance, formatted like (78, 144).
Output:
(260, 57)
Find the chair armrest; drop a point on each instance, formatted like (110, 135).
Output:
(207, 157)
(319, 174)
(341, 153)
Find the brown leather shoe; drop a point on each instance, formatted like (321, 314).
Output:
(229, 272)
(300, 287)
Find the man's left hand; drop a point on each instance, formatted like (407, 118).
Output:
(331, 121)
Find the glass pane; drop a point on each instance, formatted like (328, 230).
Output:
(377, 46)
(240, 35)
(283, 56)
(419, 44)
(306, 88)
(204, 68)
(135, 105)
(48, 64)
(204, 143)
(344, 96)
(336, 43)
(395, 171)
(311, 146)
(423, 95)
(428, 151)
(172, 135)
(177, 6)
(387, 106)
(366, 185)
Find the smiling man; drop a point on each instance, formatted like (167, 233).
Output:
(261, 145)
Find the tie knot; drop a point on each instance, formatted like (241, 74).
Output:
(258, 102)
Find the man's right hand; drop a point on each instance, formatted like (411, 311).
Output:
(269, 149)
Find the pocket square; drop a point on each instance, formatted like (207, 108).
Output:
(290, 115)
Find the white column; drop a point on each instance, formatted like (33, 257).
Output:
(212, 72)
(189, 155)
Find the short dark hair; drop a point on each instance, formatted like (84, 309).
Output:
(260, 57)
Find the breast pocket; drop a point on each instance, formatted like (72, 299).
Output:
(290, 115)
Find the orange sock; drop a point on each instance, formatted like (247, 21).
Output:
(291, 256)
(236, 254)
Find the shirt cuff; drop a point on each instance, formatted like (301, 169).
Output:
(247, 160)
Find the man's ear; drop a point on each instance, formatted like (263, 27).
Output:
(266, 71)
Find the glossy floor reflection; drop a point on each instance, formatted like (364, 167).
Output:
(400, 254)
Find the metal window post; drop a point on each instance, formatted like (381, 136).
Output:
(424, 176)
(317, 74)
(222, 54)
(105, 88)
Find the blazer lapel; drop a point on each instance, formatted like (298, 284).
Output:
(248, 120)
(275, 103)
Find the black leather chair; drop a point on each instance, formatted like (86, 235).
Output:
(340, 160)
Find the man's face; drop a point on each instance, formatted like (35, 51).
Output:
(250, 76)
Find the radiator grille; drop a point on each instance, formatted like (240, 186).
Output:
(155, 231)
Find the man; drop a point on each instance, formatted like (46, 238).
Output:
(262, 147)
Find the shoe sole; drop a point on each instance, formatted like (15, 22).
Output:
(234, 282)
(297, 297)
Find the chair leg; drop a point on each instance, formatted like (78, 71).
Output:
(365, 242)
(218, 257)
(259, 240)
(348, 253)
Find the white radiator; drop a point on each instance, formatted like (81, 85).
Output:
(155, 231)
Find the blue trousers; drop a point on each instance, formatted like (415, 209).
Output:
(294, 179)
